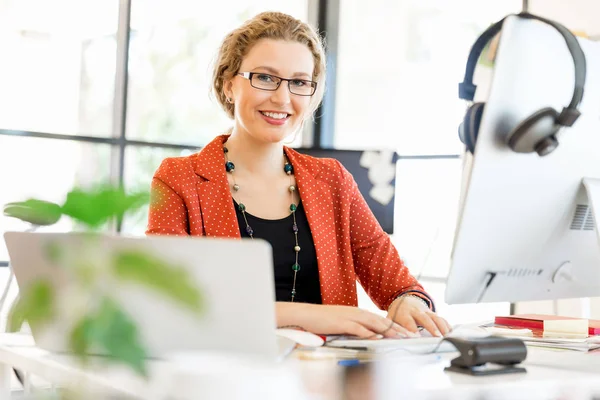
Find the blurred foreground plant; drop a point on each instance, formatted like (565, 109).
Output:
(100, 323)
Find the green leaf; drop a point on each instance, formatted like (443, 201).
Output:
(82, 337)
(36, 212)
(118, 335)
(35, 305)
(94, 208)
(171, 280)
(113, 331)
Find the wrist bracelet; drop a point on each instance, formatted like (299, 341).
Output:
(416, 297)
(298, 327)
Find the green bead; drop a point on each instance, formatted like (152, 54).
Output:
(296, 267)
(241, 207)
(292, 207)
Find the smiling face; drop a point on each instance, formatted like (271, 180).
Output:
(271, 116)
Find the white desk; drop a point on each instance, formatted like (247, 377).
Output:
(61, 371)
(320, 379)
(208, 377)
(544, 379)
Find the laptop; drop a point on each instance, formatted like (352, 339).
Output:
(235, 277)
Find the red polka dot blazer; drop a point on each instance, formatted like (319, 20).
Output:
(191, 196)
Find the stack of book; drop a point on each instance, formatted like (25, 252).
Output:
(549, 331)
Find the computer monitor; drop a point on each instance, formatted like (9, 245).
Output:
(526, 228)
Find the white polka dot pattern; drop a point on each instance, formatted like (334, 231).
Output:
(190, 196)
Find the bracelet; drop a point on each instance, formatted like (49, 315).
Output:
(416, 297)
(298, 327)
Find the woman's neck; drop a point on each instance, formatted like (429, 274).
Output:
(265, 159)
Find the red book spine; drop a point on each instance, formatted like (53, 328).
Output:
(522, 323)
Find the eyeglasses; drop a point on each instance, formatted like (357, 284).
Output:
(262, 81)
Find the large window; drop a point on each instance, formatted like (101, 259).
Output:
(57, 77)
(98, 90)
(58, 67)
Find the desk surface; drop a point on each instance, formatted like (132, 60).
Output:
(546, 377)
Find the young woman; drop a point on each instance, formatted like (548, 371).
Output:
(269, 78)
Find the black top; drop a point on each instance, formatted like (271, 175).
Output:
(279, 233)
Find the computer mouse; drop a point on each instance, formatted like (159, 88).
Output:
(303, 338)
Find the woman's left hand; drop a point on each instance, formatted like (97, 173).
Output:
(410, 312)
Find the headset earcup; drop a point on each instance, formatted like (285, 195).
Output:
(462, 134)
(536, 133)
(469, 129)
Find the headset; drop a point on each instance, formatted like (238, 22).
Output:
(537, 133)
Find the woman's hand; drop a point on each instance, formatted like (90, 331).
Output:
(410, 312)
(338, 320)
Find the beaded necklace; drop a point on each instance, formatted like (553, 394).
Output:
(289, 170)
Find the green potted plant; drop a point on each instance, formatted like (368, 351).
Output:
(103, 324)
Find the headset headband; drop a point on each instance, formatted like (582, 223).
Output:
(466, 89)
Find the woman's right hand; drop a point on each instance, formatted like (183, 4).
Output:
(338, 320)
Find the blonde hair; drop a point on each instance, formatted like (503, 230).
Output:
(266, 25)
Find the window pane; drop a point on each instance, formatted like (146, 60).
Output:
(426, 208)
(173, 45)
(140, 165)
(401, 89)
(59, 70)
(46, 169)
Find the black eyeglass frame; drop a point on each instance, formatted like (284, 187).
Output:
(249, 75)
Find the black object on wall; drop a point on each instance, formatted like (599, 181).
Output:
(381, 199)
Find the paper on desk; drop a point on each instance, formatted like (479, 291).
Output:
(494, 330)
(566, 328)
(577, 346)
(331, 353)
(412, 345)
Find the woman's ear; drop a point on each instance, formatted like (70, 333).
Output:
(228, 89)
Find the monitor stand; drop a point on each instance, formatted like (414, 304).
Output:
(592, 189)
